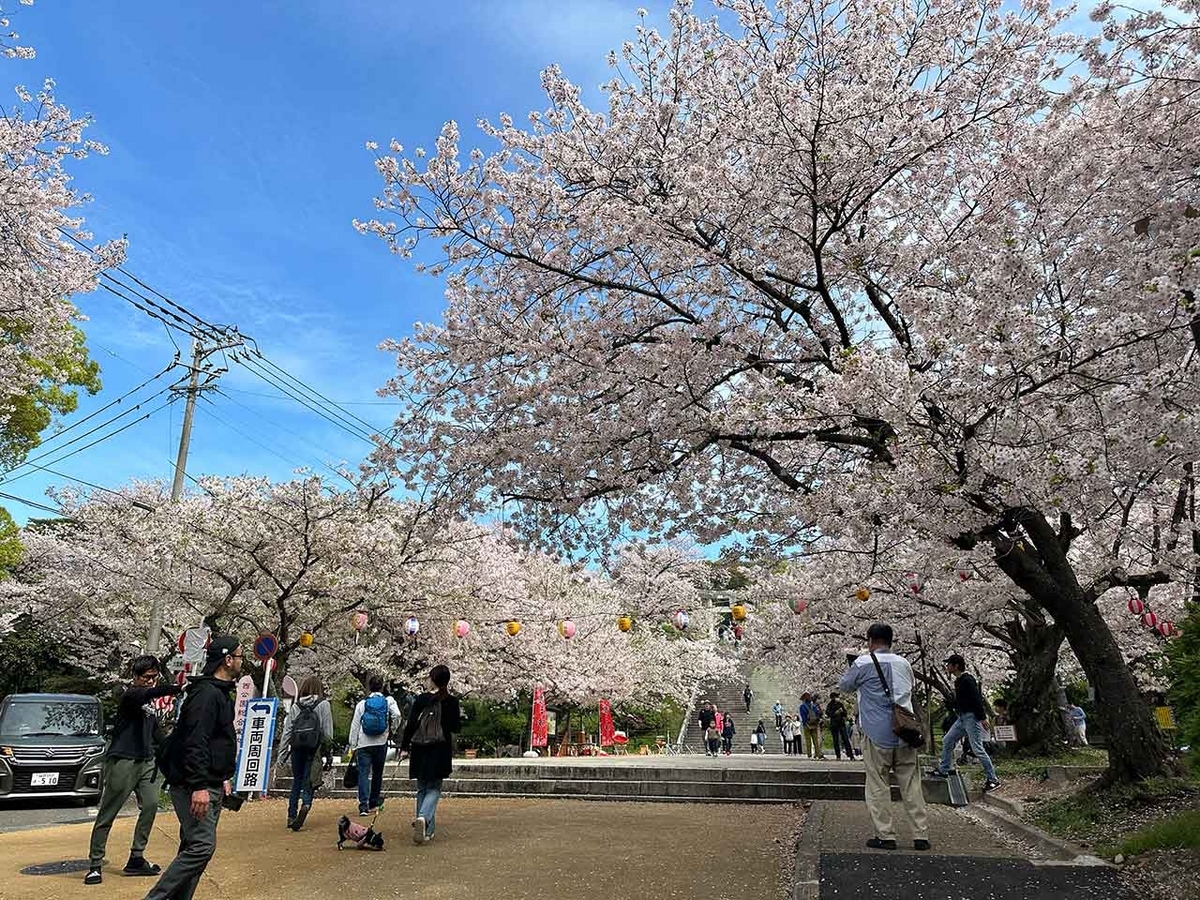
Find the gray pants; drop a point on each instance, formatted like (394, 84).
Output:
(123, 777)
(197, 843)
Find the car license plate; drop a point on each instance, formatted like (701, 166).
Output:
(44, 779)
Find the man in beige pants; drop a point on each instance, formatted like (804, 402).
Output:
(883, 752)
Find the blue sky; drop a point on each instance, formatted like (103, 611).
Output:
(237, 164)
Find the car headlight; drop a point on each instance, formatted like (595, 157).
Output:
(93, 751)
(7, 752)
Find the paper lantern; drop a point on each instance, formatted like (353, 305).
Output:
(680, 620)
(915, 582)
(462, 628)
(513, 628)
(1149, 619)
(863, 594)
(624, 623)
(359, 621)
(963, 572)
(1136, 606)
(1166, 629)
(306, 639)
(566, 628)
(411, 626)
(800, 606)
(738, 612)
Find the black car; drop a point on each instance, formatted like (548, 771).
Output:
(51, 746)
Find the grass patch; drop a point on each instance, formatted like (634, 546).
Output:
(1110, 816)
(1178, 831)
(1035, 766)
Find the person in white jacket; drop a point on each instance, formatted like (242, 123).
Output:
(307, 729)
(375, 719)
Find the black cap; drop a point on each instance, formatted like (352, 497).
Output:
(955, 659)
(218, 649)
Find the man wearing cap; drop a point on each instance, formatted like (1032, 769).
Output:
(199, 759)
(972, 719)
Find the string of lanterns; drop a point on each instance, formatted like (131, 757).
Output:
(1149, 617)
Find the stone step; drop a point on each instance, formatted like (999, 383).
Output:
(713, 774)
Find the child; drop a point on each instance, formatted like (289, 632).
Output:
(712, 741)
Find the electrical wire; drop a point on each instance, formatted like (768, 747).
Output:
(371, 429)
(32, 504)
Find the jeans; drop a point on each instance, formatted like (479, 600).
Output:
(123, 777)
(727, 744)
(302, 792)
(428, 794)
(841, 739)
(967, 724)
(197, 844)
(370, 776)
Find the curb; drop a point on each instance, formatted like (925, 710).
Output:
(1054, 849)
(806, 880)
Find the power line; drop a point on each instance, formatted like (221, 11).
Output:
(99, 487)
(32, 504)
(371, 429)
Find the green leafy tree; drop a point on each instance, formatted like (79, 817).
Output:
(25, 416)
(10, 544)
(1183, 670)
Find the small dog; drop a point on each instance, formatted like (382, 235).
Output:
(362, 837)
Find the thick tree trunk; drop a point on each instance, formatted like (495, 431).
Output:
(1136, 749)
(1033, 709)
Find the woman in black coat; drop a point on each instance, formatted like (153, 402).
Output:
(428, 742)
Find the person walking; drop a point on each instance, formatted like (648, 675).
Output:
(748, 696)
(883, 752)
(1079, 720)
(428, 742)
(707, 715)
(785, 734)
(129, 768)
(777, 709)
(712, 740)
(760, 741)
(810, 718)
(727, 732)
(376, 717)
(839, 726)
(307, 729)
(971, 721)
(197, 761)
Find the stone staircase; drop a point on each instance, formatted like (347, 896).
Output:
(727, 696)
(646, 779)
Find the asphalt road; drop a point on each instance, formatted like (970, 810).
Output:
(19, 815)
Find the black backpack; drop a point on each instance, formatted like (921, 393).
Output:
(306, 730)
(429, 726)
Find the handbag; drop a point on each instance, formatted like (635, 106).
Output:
(350, 779)
(905, 725)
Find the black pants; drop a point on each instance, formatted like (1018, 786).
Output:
(841, 739)
(779, 721)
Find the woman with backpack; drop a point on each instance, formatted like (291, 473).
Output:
(434, 718)
(307, 728)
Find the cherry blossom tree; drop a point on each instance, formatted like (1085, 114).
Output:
(834, 268)
(44, 265)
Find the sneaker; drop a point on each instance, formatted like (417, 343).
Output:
(93, 877)
(990, 786)
(298, 822)
(291, 824)
(363, 813)
(920, 844)
(139, 866)
(877, 844)
(418, 826)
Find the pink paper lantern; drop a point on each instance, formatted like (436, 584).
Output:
(680, 620)
(963, 573)
(462, 628)
(1149, 619)
(800, 606)
(567, 629)
(359, 621)
(1136, 606)
(915, 582)
(411, 626)
(1166, 629)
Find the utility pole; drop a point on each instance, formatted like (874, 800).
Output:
(200, 354)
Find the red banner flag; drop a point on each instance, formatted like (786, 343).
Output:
(607, 732)
(540, 736)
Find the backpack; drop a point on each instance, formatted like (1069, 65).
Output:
(429, 726)
(306, 730)
(375, 716)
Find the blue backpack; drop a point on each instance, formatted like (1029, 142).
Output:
(375, 716)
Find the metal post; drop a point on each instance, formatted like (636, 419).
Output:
(154, 631)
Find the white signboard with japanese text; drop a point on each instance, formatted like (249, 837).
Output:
(254, 751)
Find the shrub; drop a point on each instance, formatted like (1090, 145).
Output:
(1183, 671)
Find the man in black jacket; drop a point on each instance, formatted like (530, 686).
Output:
(972, 719)
(198, 761)
(129, 768)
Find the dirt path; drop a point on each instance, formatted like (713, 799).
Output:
(502, 849)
